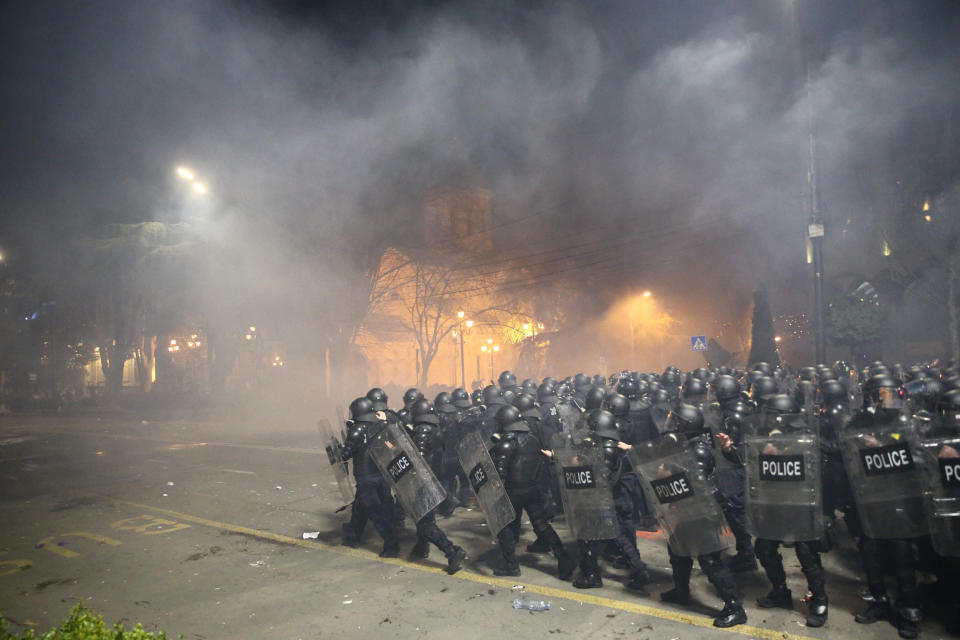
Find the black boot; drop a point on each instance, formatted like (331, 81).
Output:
(565, 565)
(421, 549)
(538, 546)
(391, 549)
(908, 621)
(512, 570)
(779, 596)
(879, 609)
(817, 613)
(731, 615)
(677, 595)
(588, 580)
(638, 580)
(350, 538)
(455, 560)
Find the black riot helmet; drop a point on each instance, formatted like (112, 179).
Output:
(508, 419)
(629, 388)
(808, 374)
(476, 397)
(659, 397)
(361, 410)
(529, 386)
(781, 403)
(594, 398)
(763, 367)
(924, 393)
(882, 392)
(444, 403)
(602, 423)
(421, 407)
(599, 381)
(410, 396)
(508, 396)
(461, 399)
(617, 404)
(546, 390)
(762, 388)
(670, 378)
(832, 392)
(492, 394)
(581, 382)
(379, 399)
(507, 380)
(685, 419)
(700, 373)
(694, 390)
(725, 388)
(948, 409)
(781, 413)
(525, 402)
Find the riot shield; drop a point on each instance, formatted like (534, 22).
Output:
(727, 472)
(941, 466)
(341, 471)
(569, 415)
(683, 499)
(486, 483)
(405, 470)
(784, 497)
(585, 489)
(886, 480)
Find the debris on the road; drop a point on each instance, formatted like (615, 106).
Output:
(258, 563)
(144, 422)
(518, 587)
(278, 487)
(169, 484)
(165, 495)
(311, 535)
(347, 602)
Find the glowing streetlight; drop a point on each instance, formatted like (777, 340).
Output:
(185, 173)
(460, 314)
(647, 294)
(483, 348)
(469, 324)
(199, 187)
(496, 347)
(777, 339)
(489, 340)
(526, 326)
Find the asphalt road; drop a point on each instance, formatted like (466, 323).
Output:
(195, 528)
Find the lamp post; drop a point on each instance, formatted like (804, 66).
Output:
(463, 363)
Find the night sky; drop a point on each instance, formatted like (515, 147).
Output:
(665, 142)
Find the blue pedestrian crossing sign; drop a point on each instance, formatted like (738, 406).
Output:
(698, 343)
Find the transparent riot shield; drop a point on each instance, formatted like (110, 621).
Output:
(486, 483)
(784, 497)
(941, 467)
(728, 469)
(886, 480)
(405, 470)
(683, 499)
(341, 471)
(569, 415)
(585, 489)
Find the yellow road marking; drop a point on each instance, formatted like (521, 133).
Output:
(610, 603)
(96, 537)
(148, 525)
(49, 545)
(18, 565)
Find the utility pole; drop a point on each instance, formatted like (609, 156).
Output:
(815, 230)
(815, 224)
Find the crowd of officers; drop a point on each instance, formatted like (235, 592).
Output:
(708, 413)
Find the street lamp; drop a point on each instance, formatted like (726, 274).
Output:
(463, 364)
(187, 174)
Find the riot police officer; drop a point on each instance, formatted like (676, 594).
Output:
(803, 519)
(373, 500)
(426, 435)
(603, 434)
(518, 457)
